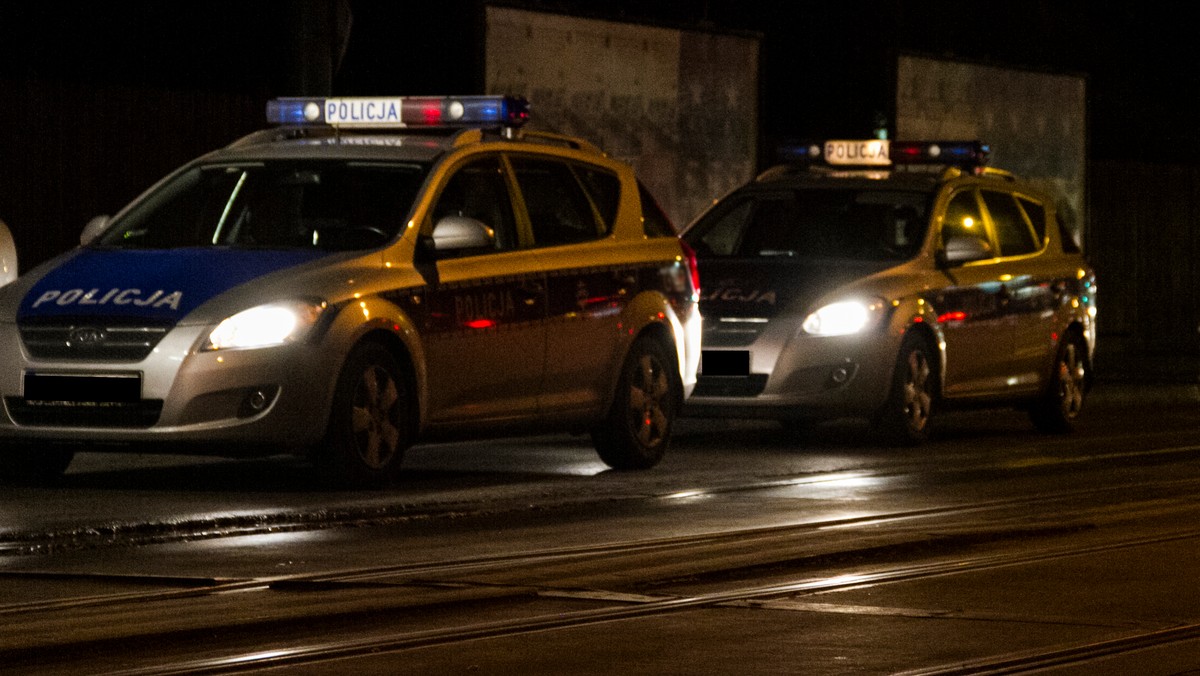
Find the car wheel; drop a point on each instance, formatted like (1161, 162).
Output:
(370, 425)
(637, 430)
(1055, 412)
(33, 464)
(906, 415)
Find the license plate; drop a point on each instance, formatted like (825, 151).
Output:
(83, 389)
(725, 362)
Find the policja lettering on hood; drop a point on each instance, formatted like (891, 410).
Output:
(157, 299)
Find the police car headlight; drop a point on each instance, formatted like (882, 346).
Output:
(265, 325)
(843, 318)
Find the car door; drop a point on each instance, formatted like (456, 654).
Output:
(485, 308)
(570, 209)
(1033, 285)
(970, 308)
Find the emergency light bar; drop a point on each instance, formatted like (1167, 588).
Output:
(406, 111)
(958, 153)
(884, 153)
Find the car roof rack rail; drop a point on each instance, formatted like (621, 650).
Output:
(560, 140)
(984, 172)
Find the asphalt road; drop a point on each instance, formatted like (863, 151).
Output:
(993, 549)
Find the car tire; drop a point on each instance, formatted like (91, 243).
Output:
(33, 464)
(637, 431)
(906, 416)
(1056, 410)
(370, 424)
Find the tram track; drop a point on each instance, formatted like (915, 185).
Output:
(196, 586)
(626, 607)
(608, 582)
(146, 532)
(468, 579)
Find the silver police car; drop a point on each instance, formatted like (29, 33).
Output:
(367, 273)
(885, 281)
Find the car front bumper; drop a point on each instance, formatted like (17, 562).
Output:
(796, 376)
(234, 401)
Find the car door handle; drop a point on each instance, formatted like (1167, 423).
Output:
(530, 294)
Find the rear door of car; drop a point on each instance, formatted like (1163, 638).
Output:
(569, 209)
(1034, 280)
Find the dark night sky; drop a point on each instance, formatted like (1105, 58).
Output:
(816, 55)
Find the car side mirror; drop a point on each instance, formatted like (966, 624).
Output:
(93, 229)
(962, 249)
(454, 233)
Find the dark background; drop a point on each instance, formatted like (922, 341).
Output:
(102, 99)
(824, 62)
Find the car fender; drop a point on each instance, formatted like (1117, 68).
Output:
(651, 312)
(915, 313)
(367, 318)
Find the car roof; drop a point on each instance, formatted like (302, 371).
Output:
(297, 144)
(788, 176)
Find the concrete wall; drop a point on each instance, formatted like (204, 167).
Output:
(1036, 123)
(680, 106)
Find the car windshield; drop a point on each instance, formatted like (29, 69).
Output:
(278, 205)
(815, 223)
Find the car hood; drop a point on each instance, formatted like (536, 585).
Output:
(766, 287)
(148, 284)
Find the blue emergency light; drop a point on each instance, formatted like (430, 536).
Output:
(400, 111)
(799, 152)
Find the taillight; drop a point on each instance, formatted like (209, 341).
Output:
(690, 254)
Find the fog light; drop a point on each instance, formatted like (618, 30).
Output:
(841, 374)
(256, 401)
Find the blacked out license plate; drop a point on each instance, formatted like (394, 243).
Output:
(83, 389)
(725, 362)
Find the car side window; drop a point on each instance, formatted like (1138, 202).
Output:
(1036, 214)
(963, 218)
(478, 190)
(1013, 233)
(559, 209)
(605, 190)
(1069, 243)
(655, 222)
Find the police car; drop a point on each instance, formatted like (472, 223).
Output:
(885, 281)
(367, 272)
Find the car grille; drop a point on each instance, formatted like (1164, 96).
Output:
(733, 331)
(138, 414)
(730, 386)
(85, 341)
